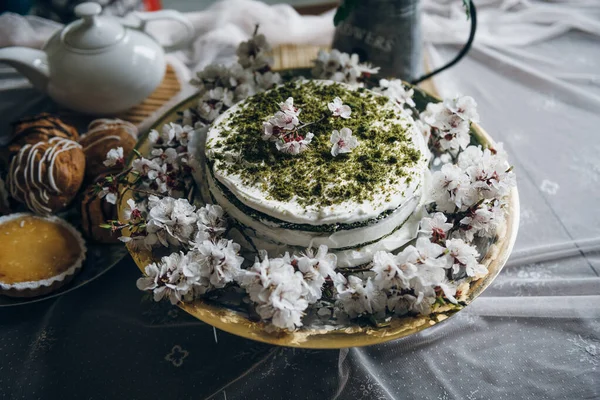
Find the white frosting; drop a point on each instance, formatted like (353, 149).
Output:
(389, 198)
(333, 240)
(353, 257)
(35, 193)
(31, 285)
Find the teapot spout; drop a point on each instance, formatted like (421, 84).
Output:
(31, 63)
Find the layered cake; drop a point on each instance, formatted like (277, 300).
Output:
(356, 203)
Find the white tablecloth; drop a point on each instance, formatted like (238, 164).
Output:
(535, 333)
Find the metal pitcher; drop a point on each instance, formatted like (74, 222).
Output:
(387, 33)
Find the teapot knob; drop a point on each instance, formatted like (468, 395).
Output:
(88, 11)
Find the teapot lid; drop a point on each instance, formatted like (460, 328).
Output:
(92, 31)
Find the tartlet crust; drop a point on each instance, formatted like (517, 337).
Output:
(45, 286)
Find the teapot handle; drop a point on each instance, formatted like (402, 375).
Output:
(141, 19)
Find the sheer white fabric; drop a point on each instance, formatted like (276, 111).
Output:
(535, 333)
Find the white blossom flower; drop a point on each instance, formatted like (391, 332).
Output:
(196, 272)
(188, 117)
(490, 174)
(219, 95)
(463, 106)
(114, 157)
(455, 138)
(267, 80)
(183, 134)
(428, 253)
(435, 227)
(339, 281)
(217, 263)
(213, 75)
(133, 211)
(327, 63)
(483, 221)
(451, 130)
(238, 76)
(341, 67)
(165, 279)
(281, 128)
(361, 297)
(365, 69)
(393, 271)
(171, 133)
(470, 156)
(271, 131)
(400, 304)
(285, 120)
(209, 111)
(168, 155)
(252, 54)
(152, 278)
(285, 308)
(109, 193)
(342, 141)
(153, 136)
(288, 108)
(315, 267)
(140, 242)
(449, 289)
(419, 269)
(173, 221)
(295, 145)
(277, 290)
(244, 91)
(463, 258)
(422, 304)
(395, 90)
(451, 189)
(339, 109)
(211, 222)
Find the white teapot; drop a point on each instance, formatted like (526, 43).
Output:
(98, 64)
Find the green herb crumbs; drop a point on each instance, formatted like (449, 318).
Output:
(383, 156)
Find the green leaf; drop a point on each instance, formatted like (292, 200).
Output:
(467, 5)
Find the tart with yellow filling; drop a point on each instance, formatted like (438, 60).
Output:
(38, 254)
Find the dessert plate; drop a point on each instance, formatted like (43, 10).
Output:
(235, 322)
(99, 259)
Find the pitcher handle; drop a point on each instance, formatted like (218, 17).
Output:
(463, 52)
(142, 18)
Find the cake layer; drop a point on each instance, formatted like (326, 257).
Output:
(336, 237)
(379, 178)
(345, 258)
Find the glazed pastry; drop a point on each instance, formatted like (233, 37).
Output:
(46, 176)
(38, 254)
(94, 212)
(102, 136)
(40, 128)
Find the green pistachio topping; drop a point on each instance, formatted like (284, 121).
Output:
(384, 156)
